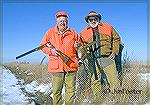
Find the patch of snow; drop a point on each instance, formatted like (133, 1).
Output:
(31, 87)
(144, 76)
(34, 87)
(12, 93)
(144, 79)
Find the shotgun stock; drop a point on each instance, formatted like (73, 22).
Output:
(64, 57)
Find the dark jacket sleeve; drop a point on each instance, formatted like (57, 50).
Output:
(115, 41)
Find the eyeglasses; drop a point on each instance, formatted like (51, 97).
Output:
(93, 18)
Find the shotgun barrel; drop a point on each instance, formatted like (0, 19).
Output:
(33, 50)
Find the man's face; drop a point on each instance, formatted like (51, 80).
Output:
(93, 21)
(62, 23)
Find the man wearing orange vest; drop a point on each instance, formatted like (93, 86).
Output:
(101, 57)
(65, 40)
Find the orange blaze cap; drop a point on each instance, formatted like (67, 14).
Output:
(61, 14)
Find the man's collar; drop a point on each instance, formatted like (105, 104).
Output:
(57, 31)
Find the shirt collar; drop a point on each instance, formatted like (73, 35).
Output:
(56, 30)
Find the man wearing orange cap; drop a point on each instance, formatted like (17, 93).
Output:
(101, 57)
(65, 40)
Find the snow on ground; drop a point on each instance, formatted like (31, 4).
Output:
(144, 78)
(33, 87)
(12, 93)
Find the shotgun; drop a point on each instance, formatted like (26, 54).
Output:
(63, 56)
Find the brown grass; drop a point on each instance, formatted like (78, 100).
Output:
(30, 72)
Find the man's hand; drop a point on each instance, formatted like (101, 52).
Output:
(77, 44)
(79, 54)
(54, 52)
(112, 56)
(52, 49)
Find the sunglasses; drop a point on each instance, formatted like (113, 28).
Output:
(92, 19)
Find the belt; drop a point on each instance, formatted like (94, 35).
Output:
(103, 56)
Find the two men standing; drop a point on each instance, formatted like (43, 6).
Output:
(100, 59)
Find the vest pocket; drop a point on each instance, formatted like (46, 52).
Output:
(53, 64)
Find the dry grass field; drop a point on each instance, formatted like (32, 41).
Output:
(135, 85)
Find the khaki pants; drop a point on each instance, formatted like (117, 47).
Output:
(97, 88)
(67, 79)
